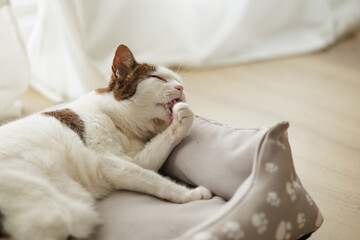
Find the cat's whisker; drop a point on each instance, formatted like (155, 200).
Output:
(187, 69)
(185, 74)
(177, 71)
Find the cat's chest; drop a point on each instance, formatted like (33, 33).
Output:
(117, 145)
(102, 136)
(133, 147)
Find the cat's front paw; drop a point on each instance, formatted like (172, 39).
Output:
(183, 118)
(198, 193)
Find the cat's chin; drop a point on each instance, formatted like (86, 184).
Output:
(168, 107)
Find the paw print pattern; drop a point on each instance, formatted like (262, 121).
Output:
(296, 185)
(291, 191)
(309, 199)
(271, 167)
(301, 220)
(205, 236)
(260, 222)
(232, 230)
(281, 144)
(283, 231)
(273, 199)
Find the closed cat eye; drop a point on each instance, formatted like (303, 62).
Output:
(158, 77)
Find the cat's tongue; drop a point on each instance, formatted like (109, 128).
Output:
(171, 120)
(172, 104)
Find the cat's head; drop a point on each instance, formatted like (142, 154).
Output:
(151, 90)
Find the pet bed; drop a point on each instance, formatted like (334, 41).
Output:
(251, 173)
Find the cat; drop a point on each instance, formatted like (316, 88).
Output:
(54, 165)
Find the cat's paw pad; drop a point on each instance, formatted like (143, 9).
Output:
(199, 193)
(183, 118)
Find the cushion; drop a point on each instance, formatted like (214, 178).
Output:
(251, 172)
(216, 156)
(130, 215)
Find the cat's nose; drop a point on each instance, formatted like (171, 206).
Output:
(180, 88)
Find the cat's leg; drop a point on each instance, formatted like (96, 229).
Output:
(158, 149)
(33, 209)
(124, 175)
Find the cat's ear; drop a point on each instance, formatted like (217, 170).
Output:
(123, 62)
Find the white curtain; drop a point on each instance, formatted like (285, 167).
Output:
(14, 68)
(73, 41)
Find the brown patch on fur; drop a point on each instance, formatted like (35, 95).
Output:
(102, 90)
(127, 88)
(69, 119)
(158, 122)
(127, 74)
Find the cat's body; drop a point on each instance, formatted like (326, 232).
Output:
(55, 164)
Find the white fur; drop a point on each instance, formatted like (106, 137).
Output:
(49, 180)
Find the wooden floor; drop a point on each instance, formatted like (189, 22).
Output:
(319, 94)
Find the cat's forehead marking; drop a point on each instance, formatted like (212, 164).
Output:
(70, 119)
(123, 89)
(135, 76)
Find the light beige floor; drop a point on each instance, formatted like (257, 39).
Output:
(319, 94)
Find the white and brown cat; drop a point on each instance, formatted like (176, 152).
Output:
(55, 164)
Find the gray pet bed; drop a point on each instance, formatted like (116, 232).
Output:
(251, 172)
